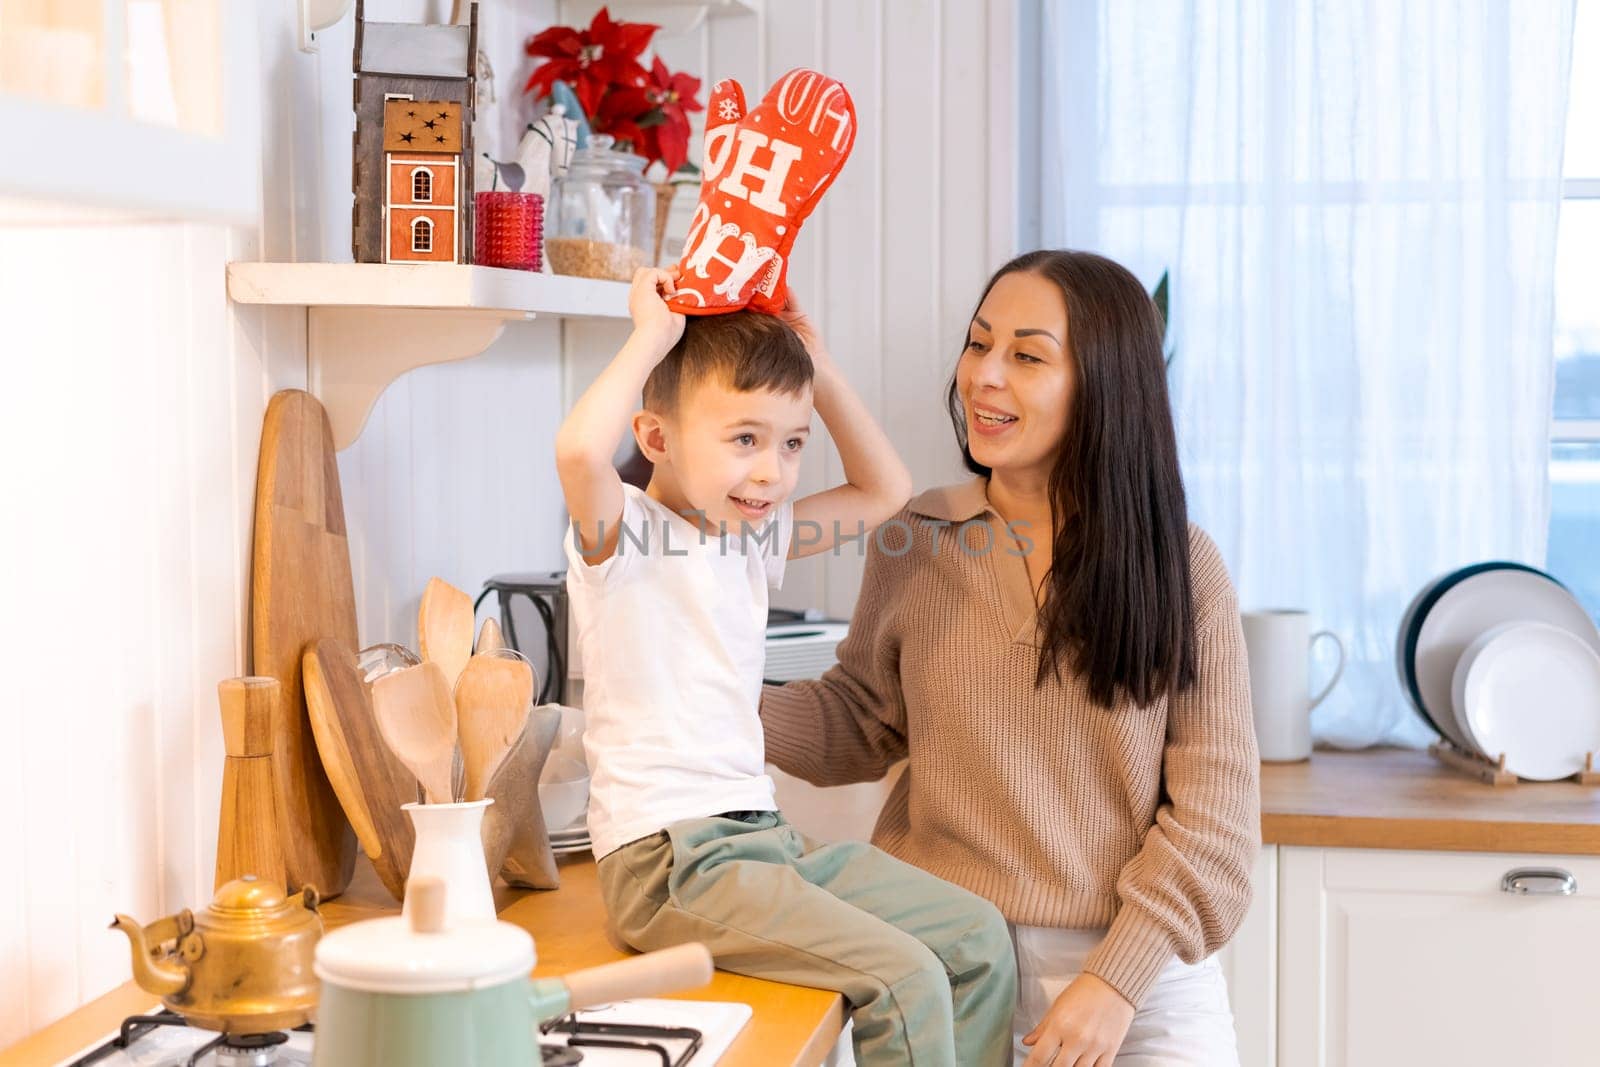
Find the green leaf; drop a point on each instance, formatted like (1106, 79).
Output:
(1160, 298)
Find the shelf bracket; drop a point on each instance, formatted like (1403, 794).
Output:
(353, 353)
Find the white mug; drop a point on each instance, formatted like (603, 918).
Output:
(1278, 644)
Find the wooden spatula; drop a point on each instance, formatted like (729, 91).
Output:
(417, 719)
(444, 628)
(489, 639)
(492, 697)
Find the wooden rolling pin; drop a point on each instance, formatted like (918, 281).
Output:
(247, 833)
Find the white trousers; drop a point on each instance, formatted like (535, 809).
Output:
(1184, 1021)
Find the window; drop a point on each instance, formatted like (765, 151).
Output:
(422, 186)
(422, 236)
(1574, 550)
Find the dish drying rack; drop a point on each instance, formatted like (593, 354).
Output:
(1493, 772)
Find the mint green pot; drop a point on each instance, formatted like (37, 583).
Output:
(495, 1026)
(421, 990)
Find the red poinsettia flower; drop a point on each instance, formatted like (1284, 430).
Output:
(666, 133)
(592, 60)
(620, 114)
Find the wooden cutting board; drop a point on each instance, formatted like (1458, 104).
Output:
(301, 591)
(370, 781)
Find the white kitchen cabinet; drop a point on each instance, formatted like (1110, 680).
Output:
(1394, 957)
(1250, 963)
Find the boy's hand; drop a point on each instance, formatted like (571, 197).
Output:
(795, 317)
(647, 306)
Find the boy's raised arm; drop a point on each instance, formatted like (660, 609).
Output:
(588, 438)
(876, 482)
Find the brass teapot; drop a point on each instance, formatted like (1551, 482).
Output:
(243, 965)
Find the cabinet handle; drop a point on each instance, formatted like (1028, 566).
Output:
(1549, 881)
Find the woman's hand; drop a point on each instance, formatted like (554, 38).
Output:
(647, 305)
(1083, 1028)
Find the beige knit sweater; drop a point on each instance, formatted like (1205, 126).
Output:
(1063, 813)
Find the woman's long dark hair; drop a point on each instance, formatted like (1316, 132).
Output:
(1118, 605)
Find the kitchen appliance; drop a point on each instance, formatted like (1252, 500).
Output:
(242, 965)
(420, 990)
(533, 620)
(691, 1034)
(1279, 644)
(801, 645)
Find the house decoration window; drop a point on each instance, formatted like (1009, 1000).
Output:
(422, 186)
(422, 236)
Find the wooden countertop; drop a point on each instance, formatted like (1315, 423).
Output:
(790, 1025)
(1403, 799)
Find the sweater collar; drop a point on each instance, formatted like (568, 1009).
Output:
(954, 503)
(963, 502)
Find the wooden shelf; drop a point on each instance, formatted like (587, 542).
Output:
(675, 17)
(369, 323)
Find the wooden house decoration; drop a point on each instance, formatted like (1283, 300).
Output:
(414, 91)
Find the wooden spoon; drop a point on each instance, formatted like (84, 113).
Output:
(492, 697)
(417, 719)
(444, 628)
(489, 639)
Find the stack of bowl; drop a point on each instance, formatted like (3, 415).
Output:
(564, 786)
(1502, 660)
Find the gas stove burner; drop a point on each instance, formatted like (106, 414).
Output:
(629, 1037)
(244, 1050)
(223, 1050)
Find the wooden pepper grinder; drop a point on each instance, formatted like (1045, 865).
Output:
(247, 833)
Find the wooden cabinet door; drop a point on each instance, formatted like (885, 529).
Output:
(1250, 963)
(1390, 957)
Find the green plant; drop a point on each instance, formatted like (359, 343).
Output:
(1160, 298)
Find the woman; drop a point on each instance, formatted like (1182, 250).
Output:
(1057, 655)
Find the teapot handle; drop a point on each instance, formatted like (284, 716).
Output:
(310, 897)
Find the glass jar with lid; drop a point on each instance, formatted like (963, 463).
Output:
(604, 219)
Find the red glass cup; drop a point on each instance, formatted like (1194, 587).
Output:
(508, 230)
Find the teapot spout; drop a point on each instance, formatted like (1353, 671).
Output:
(153, 977)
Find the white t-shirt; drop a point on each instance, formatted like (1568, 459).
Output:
(672, 639)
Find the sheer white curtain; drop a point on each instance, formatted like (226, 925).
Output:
(1357, 203)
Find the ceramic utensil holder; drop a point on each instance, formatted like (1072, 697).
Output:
(450, 848)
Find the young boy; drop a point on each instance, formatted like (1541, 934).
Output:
(669, 593)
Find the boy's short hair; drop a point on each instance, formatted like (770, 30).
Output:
(745, 350)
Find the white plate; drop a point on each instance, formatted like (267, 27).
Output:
(1402, 664)
(1532, 691)
(1471, 606)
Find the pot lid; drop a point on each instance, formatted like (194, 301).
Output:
(419, 953)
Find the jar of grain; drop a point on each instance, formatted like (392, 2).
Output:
(603, 219)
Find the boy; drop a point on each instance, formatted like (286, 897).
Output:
(669, 593)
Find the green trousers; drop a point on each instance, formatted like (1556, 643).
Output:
(927, 967)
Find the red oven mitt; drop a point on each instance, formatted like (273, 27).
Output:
(763, 174)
